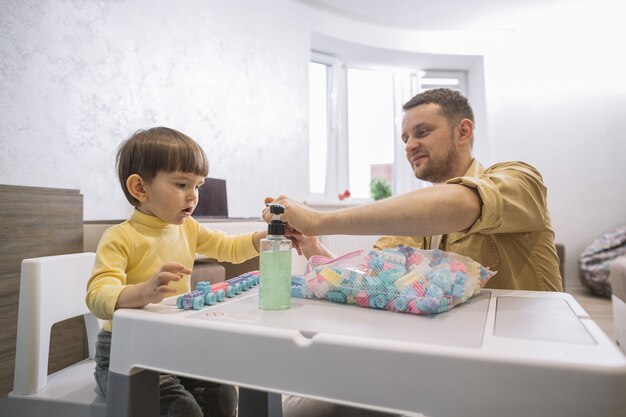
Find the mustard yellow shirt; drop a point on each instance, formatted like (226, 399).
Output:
(513, 234)
(134, 251)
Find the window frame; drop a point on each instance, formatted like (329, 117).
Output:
(406, 83)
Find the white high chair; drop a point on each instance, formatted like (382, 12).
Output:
(52, 289)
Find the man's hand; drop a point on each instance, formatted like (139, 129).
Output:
(298, 216)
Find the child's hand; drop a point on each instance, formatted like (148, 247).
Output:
(157, 288)
(306, 245)
(153, 290)
(299, 241)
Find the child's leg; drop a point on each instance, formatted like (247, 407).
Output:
(103, 352)
(175, 401)
(215, 400)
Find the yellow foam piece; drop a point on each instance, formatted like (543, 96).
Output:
(406, 281)
(331, 276)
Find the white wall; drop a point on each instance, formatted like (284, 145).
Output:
(557, 100)
(555, 93)
(78, 77)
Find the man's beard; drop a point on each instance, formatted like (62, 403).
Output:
(438, 171)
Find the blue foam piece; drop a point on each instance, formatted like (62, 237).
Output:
(376, 264)
(297, 280)
(372, 282)
(203, 286)
(434, 291)
(461, 278)
(336, 296)
(401, 303)
(457, 291)
(484, 272)
(428, 304)
(378, 301)
(198, 302)
(230, 292)
(210, 299)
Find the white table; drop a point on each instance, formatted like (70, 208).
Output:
(503, 353)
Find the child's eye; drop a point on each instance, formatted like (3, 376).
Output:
(181, 185)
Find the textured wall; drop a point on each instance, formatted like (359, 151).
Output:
(77, 77)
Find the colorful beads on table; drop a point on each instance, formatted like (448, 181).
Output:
(402, 279)
(209, 294)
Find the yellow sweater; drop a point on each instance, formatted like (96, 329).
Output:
(134, 251)
(513, 235)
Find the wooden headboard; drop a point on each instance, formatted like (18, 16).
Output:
(37, 222)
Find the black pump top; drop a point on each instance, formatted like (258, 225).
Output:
(276, 226)
(277, 209)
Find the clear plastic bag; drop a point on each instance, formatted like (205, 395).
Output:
(402, 279)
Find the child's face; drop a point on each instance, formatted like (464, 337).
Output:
(172, 196)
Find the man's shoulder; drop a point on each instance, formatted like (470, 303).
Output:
(514, 167)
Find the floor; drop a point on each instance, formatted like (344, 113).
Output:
(599, 308)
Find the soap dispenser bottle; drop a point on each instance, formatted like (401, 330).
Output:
(275, 265)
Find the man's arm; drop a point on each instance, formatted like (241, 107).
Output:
(439, 209)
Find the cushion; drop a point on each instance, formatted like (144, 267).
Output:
(595, 261)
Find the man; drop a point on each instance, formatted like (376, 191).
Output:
(496, 216)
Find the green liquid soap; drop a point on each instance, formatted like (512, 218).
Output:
(275, 277)
(275, 265)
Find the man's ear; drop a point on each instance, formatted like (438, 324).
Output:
(137, 187)
(466, 131)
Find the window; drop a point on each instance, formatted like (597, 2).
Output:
(370, 129)
(355, 116)
(318, 126)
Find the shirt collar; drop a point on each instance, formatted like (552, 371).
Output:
(475, 169)
(148, 220)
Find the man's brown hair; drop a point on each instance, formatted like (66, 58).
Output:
(454, 105)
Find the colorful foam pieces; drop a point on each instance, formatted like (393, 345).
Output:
(402, 279)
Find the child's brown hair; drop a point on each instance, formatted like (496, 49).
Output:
(149, 151)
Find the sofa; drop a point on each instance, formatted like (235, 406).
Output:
(617, 278)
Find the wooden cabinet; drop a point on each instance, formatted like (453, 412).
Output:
(37, 222)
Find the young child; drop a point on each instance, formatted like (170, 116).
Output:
(149, 256)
